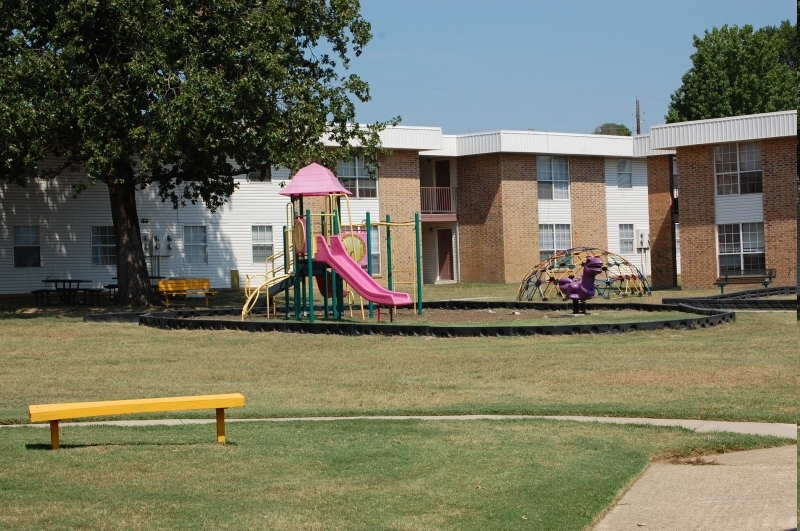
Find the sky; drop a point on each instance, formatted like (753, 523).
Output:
(559, 66)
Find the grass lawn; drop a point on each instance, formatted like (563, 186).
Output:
(348, 475)
(741, 371)
(403, 475)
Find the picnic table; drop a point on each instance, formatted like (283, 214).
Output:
(66, 288)
(112, 288)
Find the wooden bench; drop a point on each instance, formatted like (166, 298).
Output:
(752, 276)
(54, 413)
(185, 286)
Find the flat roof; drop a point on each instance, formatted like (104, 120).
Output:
(533, 142)
(721, 130)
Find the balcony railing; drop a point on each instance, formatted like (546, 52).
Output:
(437, 200)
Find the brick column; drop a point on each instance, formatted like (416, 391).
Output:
(779, 174)
(662, 245)
(480, 219)
(587, 192)
(697, 216)
(398, 196)
(520, 233)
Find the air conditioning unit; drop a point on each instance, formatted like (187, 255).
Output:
(642, 239)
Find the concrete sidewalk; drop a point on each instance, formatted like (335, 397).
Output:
(788, 431)
(743, 491)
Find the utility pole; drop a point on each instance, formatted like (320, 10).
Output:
(638, 119)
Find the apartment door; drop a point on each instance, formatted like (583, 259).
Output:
(444, 247)
(443, 174)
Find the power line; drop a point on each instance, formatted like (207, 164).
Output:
(518, 92)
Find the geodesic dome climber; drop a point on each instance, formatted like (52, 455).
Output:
(620, 278)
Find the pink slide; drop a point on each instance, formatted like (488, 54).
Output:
(337, 258)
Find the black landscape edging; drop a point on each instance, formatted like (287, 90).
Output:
(184, 320)
(743, 300)
(121, 317)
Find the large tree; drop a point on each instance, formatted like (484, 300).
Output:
(612, 129)
(181, 95)
(737, 71)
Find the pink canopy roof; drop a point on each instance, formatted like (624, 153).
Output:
(314, 179)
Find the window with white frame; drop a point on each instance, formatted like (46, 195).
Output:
(737, 168)
(553, 238)
(677, 239)
(104, 250)
(354, 175)
(552, 174)
(624, 173)
(375, 250)
(626, 238)
(27, 252)
(262, 243)
(195, 244)
(261, 174)
(741, 247)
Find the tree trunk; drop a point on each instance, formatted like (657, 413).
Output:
(133, 278)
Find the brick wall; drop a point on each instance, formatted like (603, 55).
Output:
(398, 194)
(662, 247)
(779, 174)
(587, 192)
(520, 215)
(480, 219)
(697, 216)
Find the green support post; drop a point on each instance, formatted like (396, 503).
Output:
(389, 274)
(417, 248)
(310, 258)
(334, 293)
(325, 279)
(369, 261)
(336, 281)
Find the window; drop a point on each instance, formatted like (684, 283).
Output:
(624, 173)
(26, 247)
(104, 250)
(741, 247)
(375, 245)
(677, 239)
(261, 174)
(552, 173)
(262, 243)
(553, 238)
(195, 246)
(626, 238)
(354, 176)
(738, 168)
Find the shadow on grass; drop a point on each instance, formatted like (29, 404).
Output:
(43, 446)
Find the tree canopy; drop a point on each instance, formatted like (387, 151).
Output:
(738, 71)
(180, 95)
(612, 129)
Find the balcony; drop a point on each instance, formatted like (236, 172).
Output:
(438, 200)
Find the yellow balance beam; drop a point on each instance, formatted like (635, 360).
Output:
(47, 412)
(57, 412)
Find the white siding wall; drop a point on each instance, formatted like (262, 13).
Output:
(65, 229)
(555, 211)
(745, 208)
(627, 206)
(359, 209)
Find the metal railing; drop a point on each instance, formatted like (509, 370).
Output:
(437, 200)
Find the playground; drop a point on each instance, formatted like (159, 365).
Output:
(385, 473)
(455, 350)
